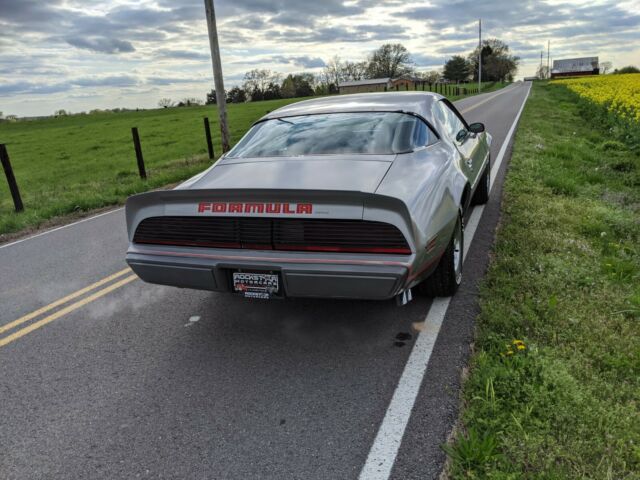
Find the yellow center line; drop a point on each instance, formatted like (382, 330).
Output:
(60, 313)
(505, 90)
(62, 301)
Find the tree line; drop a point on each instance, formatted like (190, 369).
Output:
(391, 60)
(497, 63)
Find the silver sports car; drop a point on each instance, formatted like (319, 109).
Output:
(353, 196)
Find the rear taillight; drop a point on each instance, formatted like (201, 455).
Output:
(304, 235)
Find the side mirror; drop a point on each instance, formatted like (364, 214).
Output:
(462, 135)
(476, 127)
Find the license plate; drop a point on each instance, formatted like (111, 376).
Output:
(256, 285)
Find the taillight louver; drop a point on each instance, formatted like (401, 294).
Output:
(309, 235)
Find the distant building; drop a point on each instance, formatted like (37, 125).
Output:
(575, 67)
(379, 85)
(361, 86)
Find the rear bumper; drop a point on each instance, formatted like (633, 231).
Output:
(302, 275)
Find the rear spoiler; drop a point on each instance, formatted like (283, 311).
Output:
(289, 203)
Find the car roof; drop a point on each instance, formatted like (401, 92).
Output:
(415, 102)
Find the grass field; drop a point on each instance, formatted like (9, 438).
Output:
(71, 165)
(555, 378)
(82, 162)
(614, 100)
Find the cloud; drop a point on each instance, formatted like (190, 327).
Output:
(101, 44)
(183, 54)
(162, 46)
(41, 88)
(423, 60)
(303, 61)
(383, 32)
(170, 80)
(107, 81)
(17, 88)
(498, 14)
(29, 11)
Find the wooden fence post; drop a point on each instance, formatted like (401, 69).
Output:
(136, 145)
(207, 133)
(11, 179)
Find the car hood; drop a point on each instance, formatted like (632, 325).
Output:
(312, 173)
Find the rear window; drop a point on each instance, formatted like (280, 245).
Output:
(380, 133)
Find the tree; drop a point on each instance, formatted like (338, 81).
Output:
(304, 84)
(500, 67)
(497, 62)
(352, 71)
(190, 102)
(605, 67)
(236, 95)
(165, 103)
(432, 76)
(333, 72)
(288, 89)
(390, 60)
(60, 113)
(211, 98)
(321, 89)
(298, 85)
(273, 90)
(627, 69)
(257, 81)
(456, 69)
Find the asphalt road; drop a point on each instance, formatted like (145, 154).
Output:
(130, 380)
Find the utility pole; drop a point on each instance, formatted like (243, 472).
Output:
(217, 73)
(479, 55)
(548, 48)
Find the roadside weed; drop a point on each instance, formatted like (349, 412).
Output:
(473, 450)
(555, 379)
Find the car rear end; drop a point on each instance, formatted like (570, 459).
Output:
(272, 244)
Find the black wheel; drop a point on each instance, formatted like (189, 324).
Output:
(445, 280)
(481, 195)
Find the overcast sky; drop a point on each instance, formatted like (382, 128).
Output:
(80, 55)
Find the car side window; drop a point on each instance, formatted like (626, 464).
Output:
(421, 135)
(452, 123)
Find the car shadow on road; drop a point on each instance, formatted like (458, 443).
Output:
(311, 321)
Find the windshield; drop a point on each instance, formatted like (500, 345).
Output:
(381, 133)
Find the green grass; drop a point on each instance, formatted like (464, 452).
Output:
(75, 164)
(83, 162)
(565, 281)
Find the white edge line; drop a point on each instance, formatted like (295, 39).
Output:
(60, 228)
(385, 447)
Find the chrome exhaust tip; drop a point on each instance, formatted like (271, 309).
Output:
(403, 298)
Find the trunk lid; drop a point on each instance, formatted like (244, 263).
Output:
(308, 173)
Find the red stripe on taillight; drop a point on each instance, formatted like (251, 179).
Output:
(322, 248)
(188, 244)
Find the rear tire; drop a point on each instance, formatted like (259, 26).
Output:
(445, 280)
(481, 195)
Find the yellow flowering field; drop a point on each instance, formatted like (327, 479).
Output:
(619, 94)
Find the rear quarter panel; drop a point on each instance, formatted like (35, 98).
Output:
(431, 185)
